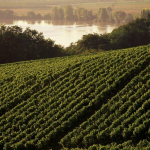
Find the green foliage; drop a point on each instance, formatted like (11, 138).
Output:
(19, 45)
(133, 34)
(82, 14)
(92, 101)
(119, 16)
(144, 13)
(90, 42)
(32, 15)
(128, 18)
(102, 15)
(109, 9)
(6, 14)
(55, 14)
(68, 12)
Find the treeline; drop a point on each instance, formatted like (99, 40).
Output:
(6, 14)
(68, 13)
(80, 14)
(103, 15)
(18, 45)
(133, 34)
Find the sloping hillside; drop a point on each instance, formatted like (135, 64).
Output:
(93, 101)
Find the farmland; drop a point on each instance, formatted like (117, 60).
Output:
(21, 8)
(90, 101)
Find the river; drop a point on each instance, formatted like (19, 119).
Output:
(62, 32)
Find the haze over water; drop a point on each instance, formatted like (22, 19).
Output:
(64, 33)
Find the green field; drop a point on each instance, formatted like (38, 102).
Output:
(92, 101)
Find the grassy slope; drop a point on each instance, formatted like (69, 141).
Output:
(87, 101)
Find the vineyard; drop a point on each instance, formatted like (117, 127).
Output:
(92, 101)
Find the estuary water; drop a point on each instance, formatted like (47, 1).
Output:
(62, 32)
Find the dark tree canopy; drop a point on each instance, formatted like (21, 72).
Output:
(19, 45)
(133, 34)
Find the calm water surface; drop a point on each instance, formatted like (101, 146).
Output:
(63, 33)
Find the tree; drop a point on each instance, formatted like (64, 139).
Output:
(86, 15)
(109, 9)
(47, 16)
(38, 16)
(31, 15)
(128, 18)
(90, 15)
(91, 42)
(68, 12)
(133, 34)
(55, 15)
(119, 16)
(148, 16)
(1, 14)
(78, 13)
(144, 13)
(8, 14)
(102, 15)
(61, 13)
(19, 45)
(83, 14)
(111, 19)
